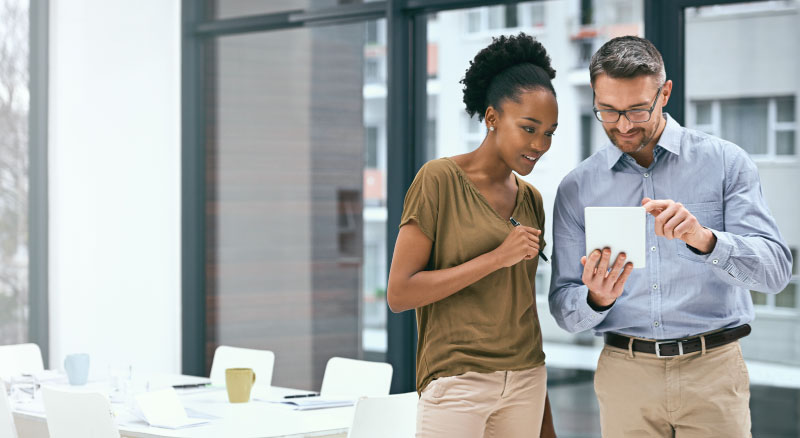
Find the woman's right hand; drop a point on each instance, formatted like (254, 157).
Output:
(522, 243)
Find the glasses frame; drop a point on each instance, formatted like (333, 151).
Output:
(625, 112)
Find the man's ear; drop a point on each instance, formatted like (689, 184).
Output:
(666, 92)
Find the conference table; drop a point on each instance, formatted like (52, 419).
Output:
(261, 417)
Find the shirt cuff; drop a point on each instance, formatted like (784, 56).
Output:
(721, 252)
(589, 316)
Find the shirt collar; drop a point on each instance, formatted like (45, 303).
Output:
(670, 140)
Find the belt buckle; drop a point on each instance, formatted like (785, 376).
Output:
(659, 344)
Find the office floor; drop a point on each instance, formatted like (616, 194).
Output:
(775, 412)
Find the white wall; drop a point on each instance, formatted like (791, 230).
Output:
(114, 185)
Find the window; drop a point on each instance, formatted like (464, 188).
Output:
(371, 147)
(295, 205)
(766, 127)
(785, 126)
(744, 122)
(474, 18)
(511, 15)
(497, 18)
(703, 113)
(372, 32)
(371, 70)
(14, 99)
(585, 52)
(587, 12)
(536, 14)
(587, 122)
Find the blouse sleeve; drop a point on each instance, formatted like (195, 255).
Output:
(422, 202)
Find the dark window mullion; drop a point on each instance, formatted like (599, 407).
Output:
(38, 287)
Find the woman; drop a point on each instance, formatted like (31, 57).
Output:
(465, 267)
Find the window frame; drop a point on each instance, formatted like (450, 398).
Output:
(38, 224)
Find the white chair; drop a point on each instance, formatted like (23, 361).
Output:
(261, 361)
(20, 358)
(7, 428)
(351, 378)
(78, 414)
(394, 416)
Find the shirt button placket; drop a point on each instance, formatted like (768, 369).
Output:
(655, 310)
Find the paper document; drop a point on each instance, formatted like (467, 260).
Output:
(163, 408)
(309, 403)
(47, 376)
(194, 413)
(34, 406)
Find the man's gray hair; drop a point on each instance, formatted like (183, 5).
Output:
(627, 57)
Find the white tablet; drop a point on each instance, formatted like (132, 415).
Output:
(620, 228)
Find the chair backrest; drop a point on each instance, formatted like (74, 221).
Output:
(20, 358)
(351, 378)
(394, 416)
(7, 428)
(261, 361)
(71, 413)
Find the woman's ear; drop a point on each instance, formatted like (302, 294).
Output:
(490, 117)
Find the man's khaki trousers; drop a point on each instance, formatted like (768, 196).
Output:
(701, 394)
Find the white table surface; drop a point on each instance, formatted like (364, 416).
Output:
(255, 419)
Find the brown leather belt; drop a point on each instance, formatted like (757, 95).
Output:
(678, 347)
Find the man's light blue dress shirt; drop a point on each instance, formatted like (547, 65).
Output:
(679, 293)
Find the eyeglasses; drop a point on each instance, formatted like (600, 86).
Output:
(633, 116)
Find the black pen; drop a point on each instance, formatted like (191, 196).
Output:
(301, 395)
(516, 224)
(191, 385)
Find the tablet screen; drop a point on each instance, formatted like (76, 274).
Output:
(620, 228)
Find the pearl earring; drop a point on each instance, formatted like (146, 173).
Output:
(491, 128)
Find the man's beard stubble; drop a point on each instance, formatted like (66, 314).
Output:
(645, 141)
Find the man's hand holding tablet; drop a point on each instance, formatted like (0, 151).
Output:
(604, 286)
(615, 245)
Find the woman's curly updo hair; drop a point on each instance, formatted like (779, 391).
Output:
(504, 69)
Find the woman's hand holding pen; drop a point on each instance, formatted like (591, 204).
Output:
(522, 243)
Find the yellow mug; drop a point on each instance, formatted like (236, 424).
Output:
(239, 382)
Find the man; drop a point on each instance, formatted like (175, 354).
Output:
(672, 365)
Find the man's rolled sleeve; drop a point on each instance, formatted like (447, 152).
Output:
(750, 252)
